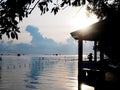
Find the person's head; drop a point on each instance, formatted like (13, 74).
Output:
(90, 53)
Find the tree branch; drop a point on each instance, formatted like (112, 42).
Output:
(34, 6)
(1, 1)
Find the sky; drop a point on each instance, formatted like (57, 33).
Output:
(49, 33)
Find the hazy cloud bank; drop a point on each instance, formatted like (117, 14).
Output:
(39, 44)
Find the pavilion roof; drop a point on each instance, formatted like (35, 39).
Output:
(92, 32)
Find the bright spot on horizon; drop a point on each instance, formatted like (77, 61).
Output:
(81, 20)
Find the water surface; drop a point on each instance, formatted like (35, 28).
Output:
(38, 72)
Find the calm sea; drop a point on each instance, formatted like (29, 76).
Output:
(38, 72)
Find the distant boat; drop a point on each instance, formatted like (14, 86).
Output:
(18, 54)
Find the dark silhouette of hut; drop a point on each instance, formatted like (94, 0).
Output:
(106, 34)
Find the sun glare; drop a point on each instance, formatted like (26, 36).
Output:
(81, 20)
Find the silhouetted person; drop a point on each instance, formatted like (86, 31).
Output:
(90, 56)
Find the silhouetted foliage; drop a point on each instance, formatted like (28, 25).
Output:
(13, 11)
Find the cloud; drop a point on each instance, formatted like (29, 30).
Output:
(39, 45)
(50, 25)
(46, 45)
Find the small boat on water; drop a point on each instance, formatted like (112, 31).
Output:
(18, 54)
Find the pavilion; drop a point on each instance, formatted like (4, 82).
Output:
(91, 33)
(101, 32)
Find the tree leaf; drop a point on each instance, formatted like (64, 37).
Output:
(12, 35)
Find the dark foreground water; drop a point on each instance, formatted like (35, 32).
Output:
(39, 73)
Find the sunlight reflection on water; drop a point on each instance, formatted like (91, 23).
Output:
(86, 87)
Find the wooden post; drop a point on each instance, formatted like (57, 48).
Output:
(80, 54)
(80, 57)
(101, 53)
(101, 56)
(95, 50)
(80, 50)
